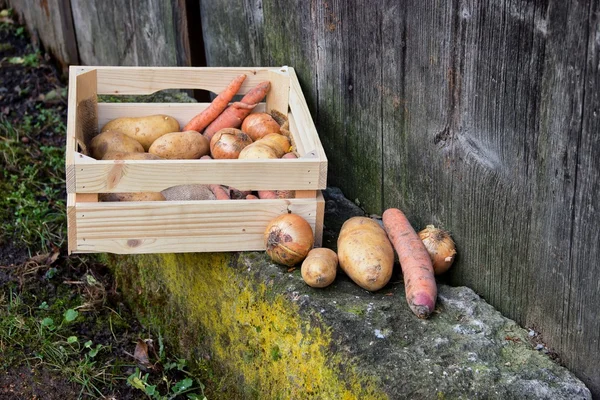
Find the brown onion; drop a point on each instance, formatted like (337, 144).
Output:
(258, 125)
(228, 143)
(288, 239)
(440, 247)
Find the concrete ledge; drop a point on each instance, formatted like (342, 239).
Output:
(270, 336)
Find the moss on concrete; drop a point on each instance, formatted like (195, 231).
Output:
(253, 332)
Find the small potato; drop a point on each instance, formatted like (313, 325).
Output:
(130, 156)
(112, 142)
(142, 196)
(144, 129)
(319, 267)
(187, 145)
(257, 150)
(365, 253)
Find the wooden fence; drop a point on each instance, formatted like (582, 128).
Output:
(482, 117)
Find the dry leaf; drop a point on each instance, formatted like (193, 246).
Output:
(141, 353)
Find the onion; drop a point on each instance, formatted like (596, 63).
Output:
(288, 239)
(227, 143)
(440, 247)
(258, 125)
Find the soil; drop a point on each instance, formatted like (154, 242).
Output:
(55, 277)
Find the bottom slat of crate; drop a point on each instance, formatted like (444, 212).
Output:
(178, 227)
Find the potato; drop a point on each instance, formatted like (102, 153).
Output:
(144, 129)
(142, 196)
(257, 150)
(365, 253)
(130, 156)
(188, 192)
(319, 267)
(180, 145)
(112, 142)
(279, 143)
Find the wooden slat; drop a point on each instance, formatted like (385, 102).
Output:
(198, 226)
(147, 80)
(80, 117)
(319, 220)
(278, 96)
(71, 224)
(142, 175)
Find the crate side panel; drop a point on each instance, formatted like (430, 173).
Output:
(147, 80)
(158, 227)
(147, 176)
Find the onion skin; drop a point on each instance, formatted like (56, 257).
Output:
(228, 143)
(257, 151)
(258, 125)
(288, 239)
(440, 247)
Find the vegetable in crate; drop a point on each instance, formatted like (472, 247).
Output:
(365, 253)
(142, 196)
(274, 145)
(319, 267)
(188, 145)
(113, 141)
(258, 125)
(228, 143)
(188, 192)
(419, 280)
(440, 247)
(233, 115)
(216, 107)
(288, 239)
(130, 156)
(144, 129)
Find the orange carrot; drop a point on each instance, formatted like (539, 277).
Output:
(419, 280)
(216, 107)
(267, 194)
(220, 193)
(233, 115)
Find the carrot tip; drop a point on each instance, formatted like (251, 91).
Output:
(422, 305)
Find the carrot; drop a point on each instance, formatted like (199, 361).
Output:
(267, 194)
(216, 107)
(251, 197)
(421, 288)
(220, 193)
(233, 115)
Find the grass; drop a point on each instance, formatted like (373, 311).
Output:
(55, 312)
(32, 181)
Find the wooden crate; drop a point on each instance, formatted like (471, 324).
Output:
(183, 226)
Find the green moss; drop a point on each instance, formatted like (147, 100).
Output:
(257, 338)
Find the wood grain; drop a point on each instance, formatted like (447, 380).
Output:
(177, 226)
(479, 117)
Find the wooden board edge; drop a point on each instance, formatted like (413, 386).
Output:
(320, 218)
(71, 224)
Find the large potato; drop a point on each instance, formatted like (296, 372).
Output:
(180, 145)
(142, 196)
(113, 142)
(130, 156)
(365, 253)
(144, 129)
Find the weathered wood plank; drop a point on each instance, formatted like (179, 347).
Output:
(121, 32)
(50, 24)
(481, 117)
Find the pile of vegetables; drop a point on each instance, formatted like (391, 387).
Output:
(365, 253)
(224, 130)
